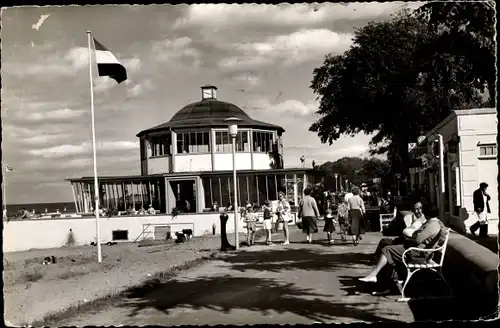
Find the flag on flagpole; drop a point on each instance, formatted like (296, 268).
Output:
(107, 64)
(9, 168)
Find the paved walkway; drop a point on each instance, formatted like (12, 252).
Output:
(298, 283)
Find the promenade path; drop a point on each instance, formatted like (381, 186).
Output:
(294, 284)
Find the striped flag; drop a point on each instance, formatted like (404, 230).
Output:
(9, 168)
(107, 64)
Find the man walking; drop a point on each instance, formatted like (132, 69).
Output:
(482, 208)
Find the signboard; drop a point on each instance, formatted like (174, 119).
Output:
(411, 146)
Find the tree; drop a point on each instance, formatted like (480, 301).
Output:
(466, 31)
(383, 85)
(355, 169)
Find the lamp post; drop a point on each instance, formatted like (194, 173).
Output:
(232, 123)
(336, 187)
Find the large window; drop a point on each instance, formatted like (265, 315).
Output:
(253, 188)
(262, 141)
(223, 143)
(193, 142)
(160, 145)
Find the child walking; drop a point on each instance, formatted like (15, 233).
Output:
(268, 225)
(250, 220)
(343, 219)
(329, 226)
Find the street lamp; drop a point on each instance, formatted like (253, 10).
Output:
(336, 187)
(232, 123)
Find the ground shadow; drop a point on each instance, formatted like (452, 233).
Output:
(276, 260)
(226, 293)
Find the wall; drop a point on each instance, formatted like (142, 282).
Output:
(157, 165)
(261, 161)
(193, 163)
(473, 130)
(224, 162)
(27, 234)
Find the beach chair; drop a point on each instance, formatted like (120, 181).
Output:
(430, 264)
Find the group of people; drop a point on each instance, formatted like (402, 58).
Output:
(350, 213)
(284, 217)
(132, 211)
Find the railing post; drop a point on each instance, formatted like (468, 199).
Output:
(225, 245)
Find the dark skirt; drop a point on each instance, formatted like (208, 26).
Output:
(355, 217)
(309, 224)
(329, 226)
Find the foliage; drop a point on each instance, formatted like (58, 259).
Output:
(355, 169)
(398, 80)
(466, 32)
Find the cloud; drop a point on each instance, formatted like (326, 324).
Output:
(85, 147)
(290, 106)
(218, 16)
(42, 140)
(78, 57)
(292, 49)
(175, 51)
(132, 65)
(140, 88)
(246, 79)
(64, 114)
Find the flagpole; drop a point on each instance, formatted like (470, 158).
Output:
(4, 211)
(96, 183)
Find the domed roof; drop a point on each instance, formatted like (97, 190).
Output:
(210, 113)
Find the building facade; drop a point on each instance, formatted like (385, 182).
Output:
(186, 168)
(186, 164)
(470, 157)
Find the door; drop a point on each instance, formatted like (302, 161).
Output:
(183, 195)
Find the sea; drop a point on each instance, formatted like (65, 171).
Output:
(40, 207)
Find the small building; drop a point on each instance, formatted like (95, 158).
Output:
(470, 157)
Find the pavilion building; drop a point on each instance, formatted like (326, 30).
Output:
(186, 163)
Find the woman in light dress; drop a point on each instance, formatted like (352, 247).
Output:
(284, 215)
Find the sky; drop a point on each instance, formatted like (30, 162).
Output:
(261, 58)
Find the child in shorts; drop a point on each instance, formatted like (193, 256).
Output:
(251, 221)
(268, 221)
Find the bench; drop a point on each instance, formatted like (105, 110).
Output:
(385, 220)
(433, 264)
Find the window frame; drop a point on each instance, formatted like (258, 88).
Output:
(158, 141)
(222, 135)
(485, 146)
(186, 138)
(259, 139)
